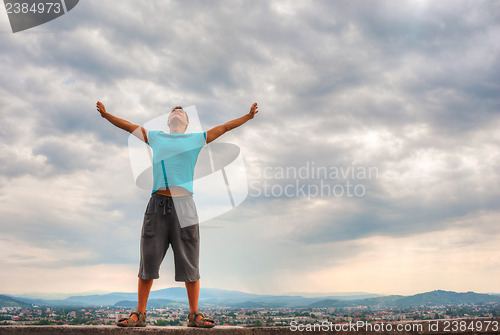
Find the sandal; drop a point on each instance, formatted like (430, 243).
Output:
(141, 322)
(201, 322)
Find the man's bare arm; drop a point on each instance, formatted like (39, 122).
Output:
(215, 132)
(134, 129)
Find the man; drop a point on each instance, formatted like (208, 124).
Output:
(171, 217)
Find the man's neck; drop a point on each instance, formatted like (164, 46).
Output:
(176, 131)
(177, 127)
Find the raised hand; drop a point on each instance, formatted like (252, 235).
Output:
(100, 108)
(253, 110)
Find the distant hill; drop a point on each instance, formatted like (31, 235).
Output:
(154, 303)
(337, 295)
(99, 299)
(434, 298)
(439, 297)
(176, 296)
(7, 301)
(254, 304)
(208, 296)
(91, 300)
(369, 302)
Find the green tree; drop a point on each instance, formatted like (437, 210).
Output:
(162, 323)
(257, 323)
(44, 322)
(175, 322)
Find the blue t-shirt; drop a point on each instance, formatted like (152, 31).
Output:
(174, 158)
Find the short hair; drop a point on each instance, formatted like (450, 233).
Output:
(187, 116)
(180, 107)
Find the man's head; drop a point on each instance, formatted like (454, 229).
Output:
(178, 118)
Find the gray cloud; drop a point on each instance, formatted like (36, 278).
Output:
(410, 88)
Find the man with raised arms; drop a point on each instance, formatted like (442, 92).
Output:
(171, 218)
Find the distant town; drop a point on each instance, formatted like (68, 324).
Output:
(246, 317)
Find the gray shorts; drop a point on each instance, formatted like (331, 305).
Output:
(170, 221)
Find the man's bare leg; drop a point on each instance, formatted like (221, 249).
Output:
(143, 289)
(193, 293)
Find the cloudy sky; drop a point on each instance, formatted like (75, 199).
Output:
(373, 164)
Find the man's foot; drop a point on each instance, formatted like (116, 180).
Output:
(201, 317)
(198, 319)
(133, 316)
(136, 319)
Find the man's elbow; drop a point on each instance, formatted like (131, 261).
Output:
(134, 129)
(140, 133)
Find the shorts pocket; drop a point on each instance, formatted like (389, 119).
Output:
(186, 212)
(149, 225)
(190, 233)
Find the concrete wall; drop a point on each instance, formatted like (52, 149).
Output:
(433, 327)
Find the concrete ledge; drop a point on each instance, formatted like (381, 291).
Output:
(113, 330)
(430, 327)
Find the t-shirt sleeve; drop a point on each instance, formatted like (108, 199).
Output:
(151, 137)
(201, 139)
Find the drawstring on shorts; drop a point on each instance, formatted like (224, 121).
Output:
(167, 205)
